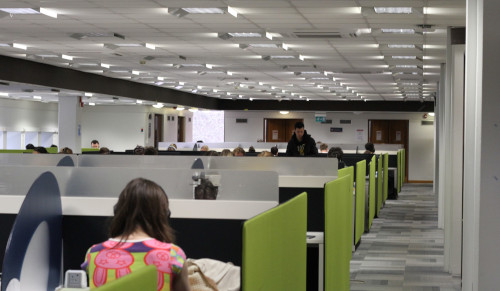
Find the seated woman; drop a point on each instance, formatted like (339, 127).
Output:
(140, 235)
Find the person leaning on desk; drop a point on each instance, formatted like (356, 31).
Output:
(301, 144)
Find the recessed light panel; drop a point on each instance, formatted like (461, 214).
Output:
(393, 10)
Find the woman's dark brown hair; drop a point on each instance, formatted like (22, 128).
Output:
(144, 204)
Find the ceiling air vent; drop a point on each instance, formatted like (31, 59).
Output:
(241, 120)
(317, 34)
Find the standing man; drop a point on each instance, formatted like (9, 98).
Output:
(301, 144)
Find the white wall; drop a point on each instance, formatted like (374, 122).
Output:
(421, 137)
(26, 116)
(208, 126)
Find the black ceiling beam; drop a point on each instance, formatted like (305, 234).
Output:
(30, 72)
(299, 105)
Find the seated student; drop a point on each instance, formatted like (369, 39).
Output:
(66, 150)
(370, 148)
(251, 149)
(172, 147)
(204, 148)
(150, 151)
(239, 152)
(337, 152)
(265, 154)
(104, 151)
(226, 153)
(139, 150)
(206, 190)
(94, 144)
(30, 146)
(40, 150)
(140, 235)
(323, 148)
(274, 151)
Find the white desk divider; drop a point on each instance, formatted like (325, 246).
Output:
(33, 160)
(109, 182)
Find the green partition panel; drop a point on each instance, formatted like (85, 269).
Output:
(399, 172)
(403, 166)
(360, 200)
(379, 184)
(52, 150)
(15, 151)
(144, 279)
(371, 198)
(274, 248)
(89, 150)
(386, 175)
(349, 172)
(338, 234)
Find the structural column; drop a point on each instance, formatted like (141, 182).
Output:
(481, 255)
(69, 119)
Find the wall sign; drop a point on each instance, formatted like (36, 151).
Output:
(275, 134)
(336, 129)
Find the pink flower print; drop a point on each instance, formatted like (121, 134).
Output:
(161, 259)
(155, 244)
(107, 259)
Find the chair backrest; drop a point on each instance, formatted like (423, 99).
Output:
(371, 199)
(360, 200)
(274, 248)
(338, 234)
(33, 252)
(143, 279)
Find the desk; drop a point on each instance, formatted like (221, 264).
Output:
(318, 238)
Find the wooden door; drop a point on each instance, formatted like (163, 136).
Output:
(158, 129)
(180, 129)
(279, 130)
(390, 132)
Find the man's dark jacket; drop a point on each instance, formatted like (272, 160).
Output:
(308, 145)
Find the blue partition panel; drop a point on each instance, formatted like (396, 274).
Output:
(33, 252)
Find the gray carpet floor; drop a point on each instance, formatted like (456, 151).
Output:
(404, 249)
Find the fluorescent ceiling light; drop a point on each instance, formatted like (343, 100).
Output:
(20, 46)
(179, 87)
(88, 94)
(362, 31)
(4, 44)
(208, 66)
(405, 57)
(48, 12)
(284, 46)
(135, 72)
(19, 10)
(301, 57)
(37, 97)
(180, 108)
(203, 10)
(401, 46)
(398, 30)
(284, 112)
(269, 35)
(138, 101)
(264, 45)
(245, 34)
(406, 66)
(107, 66)
(160, 78)
(47, 56)
(431, 114)
(158, 105)
(3, 94)
(150, 46)
(193, 109)
(66, 57)
(393, 10)
(232, 11)
(127, 44)
(91, 103)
